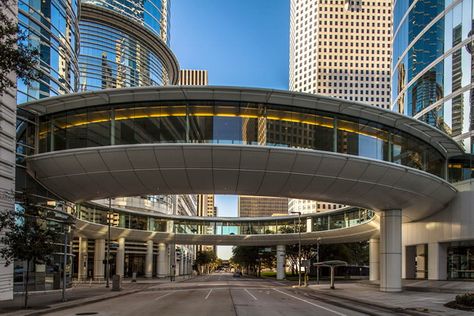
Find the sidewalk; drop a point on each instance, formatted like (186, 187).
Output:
(423, 303)
(80, 294)
(452, 287)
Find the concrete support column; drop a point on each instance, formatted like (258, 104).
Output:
(281, 260)
(185, 271)
(309, 225)
(187, 263)
(437, 261)
(82, 260)
(190, 264)
(149, 259)
(173, 268)
(391, 251)
(163, 260)
(120, 258)
(99, 257)
(180, 264)
(374, 259)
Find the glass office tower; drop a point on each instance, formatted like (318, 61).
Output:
(433, 81)
(153, 14)
(52, 27)
(432, 69)
(120, 44)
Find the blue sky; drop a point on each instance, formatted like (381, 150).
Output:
(240, 43)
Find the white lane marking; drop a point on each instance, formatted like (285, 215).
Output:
(156, 299)
(248, 292)
(207, 296)
(311, 303)
(279, 283)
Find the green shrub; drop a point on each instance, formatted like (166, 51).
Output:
(465, 299)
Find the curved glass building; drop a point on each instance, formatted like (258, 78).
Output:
(118, 51)
(433, 81)
(432, 69)
(52, 27)
(153, 14)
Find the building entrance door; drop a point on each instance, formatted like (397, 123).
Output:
(134, 263)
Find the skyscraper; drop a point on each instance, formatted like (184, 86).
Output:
(254, 206)
(205, 202)
(117, 52)
(193, 77)
(206, 208)
(432, 77)
(340, 48)
(7, 179)
(123, 44)
(432, 42)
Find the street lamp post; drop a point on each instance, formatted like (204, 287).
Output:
(107, 260)
(317, 260)
(64, 262)
(299, 247)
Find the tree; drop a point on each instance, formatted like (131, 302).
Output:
(205, 258)
(27, 237)
(253, 258)
(16, 54)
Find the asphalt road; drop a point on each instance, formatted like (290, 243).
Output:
(220, 294)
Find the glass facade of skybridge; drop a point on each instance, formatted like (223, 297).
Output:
(235, 123)
(344, 218)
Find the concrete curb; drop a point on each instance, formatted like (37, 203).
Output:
(436, 290)
(394, 309)
(81, 302)
(426, 289)
(72, 304)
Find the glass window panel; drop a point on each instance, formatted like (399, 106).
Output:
(98, 127)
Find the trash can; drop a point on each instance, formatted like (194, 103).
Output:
(116, 283)
(134, 277)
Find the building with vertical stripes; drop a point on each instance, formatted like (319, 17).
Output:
(193, 77)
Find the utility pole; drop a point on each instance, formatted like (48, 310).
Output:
(317, 260)
(107, 260)
(299, 247)
(64, 262)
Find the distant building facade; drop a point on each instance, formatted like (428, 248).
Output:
(193, 77)
(256, 206)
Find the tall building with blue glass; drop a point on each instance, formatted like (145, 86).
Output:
(122, 44)
(87, 45)
(52, 27)
(433, 81)
(432, 67)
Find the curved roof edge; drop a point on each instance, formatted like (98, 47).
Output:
(93, 12)
(441, 141)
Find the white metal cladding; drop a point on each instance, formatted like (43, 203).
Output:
(128, 170)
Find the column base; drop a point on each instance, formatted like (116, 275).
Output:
(391, 290)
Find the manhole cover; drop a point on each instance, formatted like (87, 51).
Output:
(88, 313)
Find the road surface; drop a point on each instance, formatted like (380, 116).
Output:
(221, 294)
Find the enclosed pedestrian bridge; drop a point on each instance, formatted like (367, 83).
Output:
(222, 140)
(347, 224)
(171, 140)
